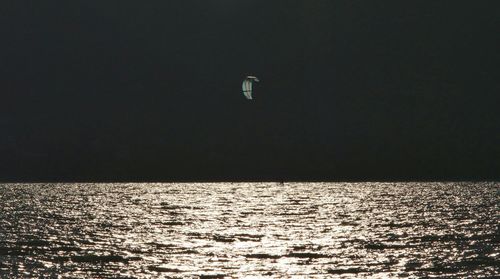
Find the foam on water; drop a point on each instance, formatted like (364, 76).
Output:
(219, 230)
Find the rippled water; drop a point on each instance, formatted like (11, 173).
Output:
(223, 230)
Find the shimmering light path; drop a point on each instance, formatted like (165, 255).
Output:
(224, 230)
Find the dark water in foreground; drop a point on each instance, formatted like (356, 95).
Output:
(225, 230)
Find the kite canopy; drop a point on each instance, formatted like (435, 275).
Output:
(247, 86)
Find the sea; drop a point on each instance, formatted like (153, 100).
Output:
(250, 230)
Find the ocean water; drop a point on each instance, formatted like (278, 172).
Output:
(235, 230)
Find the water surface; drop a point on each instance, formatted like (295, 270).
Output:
(224, 230)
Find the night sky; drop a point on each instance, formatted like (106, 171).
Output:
(151, 91)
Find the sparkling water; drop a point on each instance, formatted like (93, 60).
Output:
(234, 230)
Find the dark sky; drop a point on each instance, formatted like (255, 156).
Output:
(151, 90)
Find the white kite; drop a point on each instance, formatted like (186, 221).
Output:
(247, 86)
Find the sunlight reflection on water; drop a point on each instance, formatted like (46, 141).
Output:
(219, 230)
